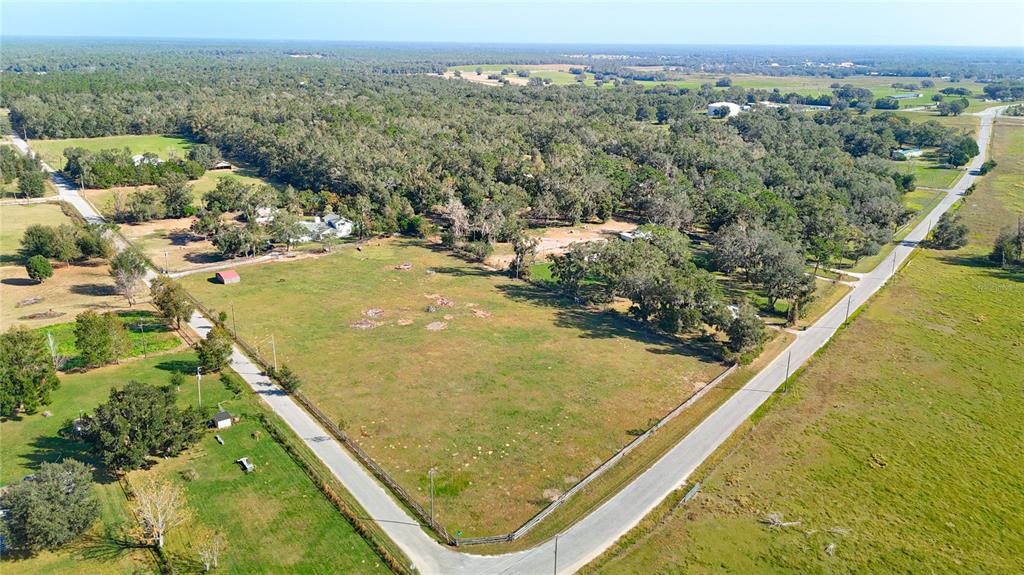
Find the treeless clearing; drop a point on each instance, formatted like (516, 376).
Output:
(555, 241)
(514, 397)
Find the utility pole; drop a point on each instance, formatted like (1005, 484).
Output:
(785, 383)
(894, 261)
(142, 332)
(199, 385)
(273, 347)
(555, 571)
(431, 475)
(848, 298)
(234, 323)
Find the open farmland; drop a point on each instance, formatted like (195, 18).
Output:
(52, 151)
(259, 514)
(511, 396)
(899, 444)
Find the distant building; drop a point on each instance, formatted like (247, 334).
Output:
(221, 165)
(151, 160)
(264, 215)
(228, 277)
(331, 225)
(906, 96)
(222, 419)
(635, 235)
(723, 109)
(907, 153)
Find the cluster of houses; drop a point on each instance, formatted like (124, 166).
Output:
(331, 225)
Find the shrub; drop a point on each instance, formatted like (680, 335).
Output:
(38, 268)
(478, 250)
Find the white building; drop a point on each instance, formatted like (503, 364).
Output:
(331, 225)
(222, 419)
(715, 109)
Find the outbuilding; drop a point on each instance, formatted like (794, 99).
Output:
(228, 277)
(222, 419)
(723, 109)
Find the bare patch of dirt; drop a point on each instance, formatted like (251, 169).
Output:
(404, 321)
(374, 312)
(437, 326)
(558, 240)
(366, 324)
(481, 313)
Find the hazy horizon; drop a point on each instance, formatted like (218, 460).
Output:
(838, 23)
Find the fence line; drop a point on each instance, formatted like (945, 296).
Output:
(601, 469)
(340, 435)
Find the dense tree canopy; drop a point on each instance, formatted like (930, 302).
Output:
(52, 508)
(139, 421)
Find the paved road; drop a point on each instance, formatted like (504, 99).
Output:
(589, 537)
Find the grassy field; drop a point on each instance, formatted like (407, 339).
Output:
(513, 399)
(927, 173)
(880, 86)
(15, 219)
(260, 514)
(146, 330)
(52, 151)
(899, 444)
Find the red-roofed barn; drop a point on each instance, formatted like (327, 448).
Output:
(228, 277)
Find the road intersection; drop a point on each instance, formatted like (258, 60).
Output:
(593, 534)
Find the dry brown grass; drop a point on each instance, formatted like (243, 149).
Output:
(70, 291)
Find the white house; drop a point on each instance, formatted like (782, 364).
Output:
(140, 159)
(341, 225)
(332, 225)
(715, 109)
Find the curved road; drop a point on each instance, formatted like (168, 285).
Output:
(589, 537)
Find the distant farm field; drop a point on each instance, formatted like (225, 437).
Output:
(52, 151)
(897, 449)
(510, 395)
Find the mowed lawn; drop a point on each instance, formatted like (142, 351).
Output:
(15, 219)
(900, 444)
(52, 151)
(513, 398)
(275, 520)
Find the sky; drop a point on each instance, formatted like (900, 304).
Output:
(821, 22)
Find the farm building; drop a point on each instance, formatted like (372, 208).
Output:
(723, 109)
(906, 96)
(222, 419)
(221, 165)
(907, 153)
(228, 277)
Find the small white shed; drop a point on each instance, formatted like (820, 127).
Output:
(222, 419)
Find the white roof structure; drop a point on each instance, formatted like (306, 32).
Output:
(733, 108)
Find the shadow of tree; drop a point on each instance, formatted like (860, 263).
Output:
(94, 289)
(983, 263)
(606, 324)
(178, 365)
(19, 282)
